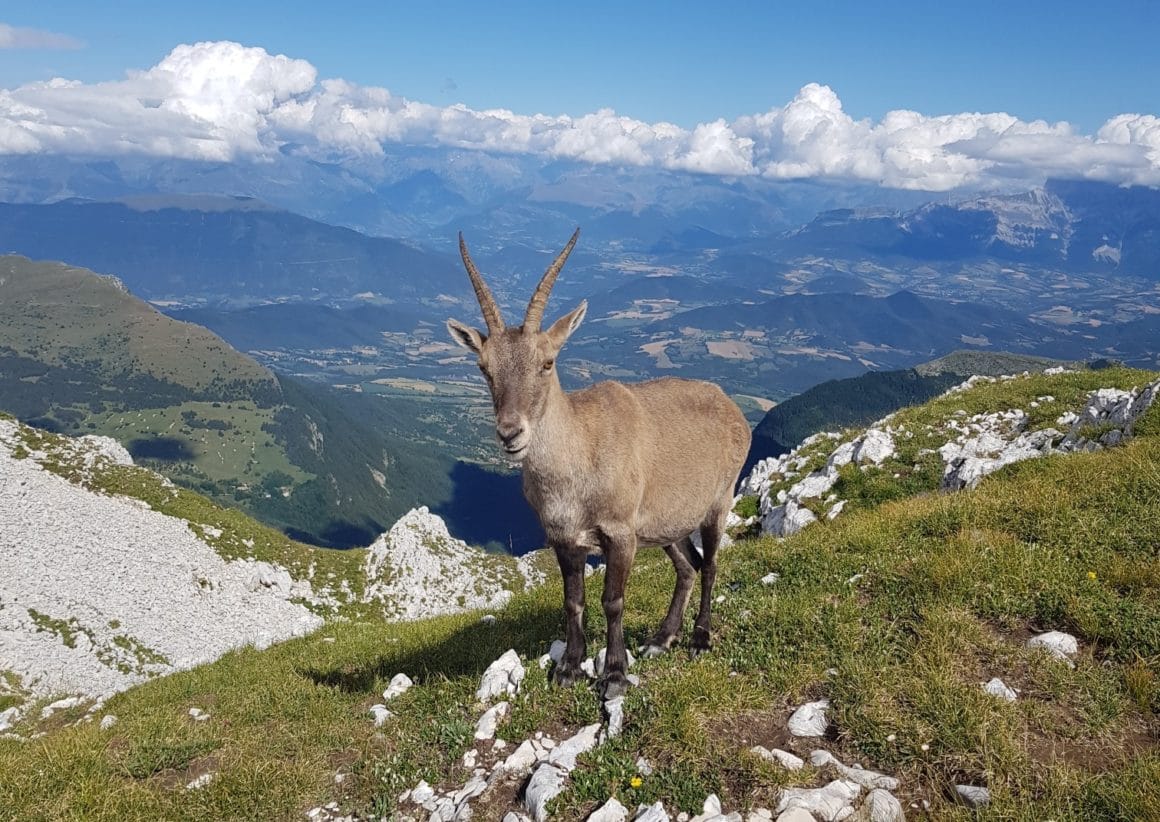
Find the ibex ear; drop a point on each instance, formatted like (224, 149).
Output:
(466, 336)
(562, 329)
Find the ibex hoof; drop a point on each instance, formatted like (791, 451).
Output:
(652, 650)
(701, 643)
(566, 677)
(612, 688)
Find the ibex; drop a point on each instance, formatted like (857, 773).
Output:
(609, 467)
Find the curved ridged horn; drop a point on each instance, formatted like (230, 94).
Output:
(540, 298)
(491, 314)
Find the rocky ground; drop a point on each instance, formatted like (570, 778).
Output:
(799, 488)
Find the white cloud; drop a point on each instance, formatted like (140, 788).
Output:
(15, 37)
(221, 101)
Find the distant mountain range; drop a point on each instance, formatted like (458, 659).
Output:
(1067, 225)
(224, 249)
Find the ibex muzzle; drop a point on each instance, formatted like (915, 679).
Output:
(610, 467)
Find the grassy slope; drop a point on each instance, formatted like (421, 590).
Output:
(949, 588)
(78, 353)
(58, 313)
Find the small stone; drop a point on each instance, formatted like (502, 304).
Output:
(759, 815)
(831, 802)
(499, 745)
(487, 619)
(584, 740)
(810, 719)
(422, 793)
(614, 710)
(1057, 643)
(512, 816)
(783, 758)
(891, 737)
(501, 677)
(546, 784)
(485, 727)
(399, 685)
(883, 806)
(610, 811)
(770, 578)
(108, 721)
(651, 813)
(198, 715)
(999, 688)
(643, 767)
(522, 758)
(469, 758)
(200, 782)
(556, 650)
(973, 796)
(380, 714)
(860, 776)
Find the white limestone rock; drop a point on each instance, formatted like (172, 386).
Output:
(1057, 643)
(380, 714)
(272, 577)
(522, 758)
(829, 803)
(399, 685)
(610, 811)
(651, 813)
(418, 569)
(564, 755)
(200, 782)
(770, 578)
(614, 710)
(107, 721)
(546, 784)
(810, 719)
(9, 717)
(786, 519)
(875, 447)
(783, 758)
(502, 677)
(485, 727)
(999, 688)
(883, 806)
(796, 814)
(815, 484)
(863, 777)
(973, 796)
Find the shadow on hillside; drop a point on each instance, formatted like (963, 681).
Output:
(163, 449)
(488, 508)
(467, 652)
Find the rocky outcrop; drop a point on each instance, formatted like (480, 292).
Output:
(417, 569)
(973, 448)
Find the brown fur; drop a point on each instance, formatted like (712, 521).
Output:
(611, 467)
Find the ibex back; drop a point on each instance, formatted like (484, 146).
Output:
(610, 467)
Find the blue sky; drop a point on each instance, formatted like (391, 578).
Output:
(680, 62)
(930, 96)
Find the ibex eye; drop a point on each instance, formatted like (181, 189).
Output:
(548, 364)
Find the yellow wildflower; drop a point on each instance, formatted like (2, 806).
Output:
(636, 782)
(1091, 574)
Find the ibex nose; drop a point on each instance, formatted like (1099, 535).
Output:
(509, 430)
